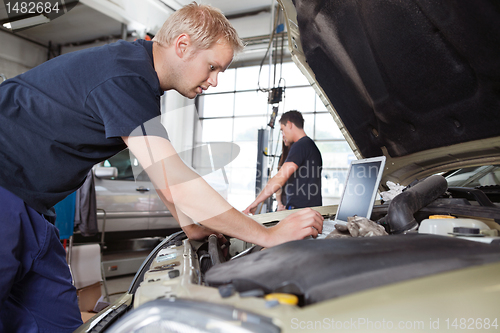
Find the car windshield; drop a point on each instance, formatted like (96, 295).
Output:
(125, 161)
(475, 176)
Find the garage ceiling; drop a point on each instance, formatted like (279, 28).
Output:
(92, 20)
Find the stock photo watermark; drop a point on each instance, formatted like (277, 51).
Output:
(28, 14)
(382, 324)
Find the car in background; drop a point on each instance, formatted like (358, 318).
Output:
(415, 81)
(128, 205)
(477, 176)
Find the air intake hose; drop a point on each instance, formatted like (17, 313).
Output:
(399, 218)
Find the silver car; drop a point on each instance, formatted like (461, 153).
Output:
(129, 203)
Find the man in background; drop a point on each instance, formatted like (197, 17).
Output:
(300, 175)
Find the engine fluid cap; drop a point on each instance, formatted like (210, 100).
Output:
(282, 298)
(441, 217)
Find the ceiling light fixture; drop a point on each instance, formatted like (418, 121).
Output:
(27, 22)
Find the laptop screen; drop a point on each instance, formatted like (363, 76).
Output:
(360, 188)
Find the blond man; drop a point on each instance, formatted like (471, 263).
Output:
(62, 117)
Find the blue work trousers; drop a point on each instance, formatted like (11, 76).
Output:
(36, 294)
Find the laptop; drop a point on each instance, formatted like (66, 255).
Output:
(360, 191)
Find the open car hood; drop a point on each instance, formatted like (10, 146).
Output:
(417, 80)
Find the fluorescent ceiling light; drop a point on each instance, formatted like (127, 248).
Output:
(27, 22)
(172, 4)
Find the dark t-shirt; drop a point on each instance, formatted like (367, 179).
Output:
(62, 117)
(303, 188)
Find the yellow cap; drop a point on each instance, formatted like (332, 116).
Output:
(283, 298)
(442, 217)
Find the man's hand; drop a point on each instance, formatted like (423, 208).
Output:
(250, 209)
(274, 184)
(280, 207)
(306, 222)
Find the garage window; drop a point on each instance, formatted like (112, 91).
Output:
(235, 110)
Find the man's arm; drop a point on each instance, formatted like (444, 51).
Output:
(279, 200)
(188, 192)
(192, 230)
(274, 184)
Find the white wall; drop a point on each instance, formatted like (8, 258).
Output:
(18, 55)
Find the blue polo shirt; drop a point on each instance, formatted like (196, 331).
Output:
(62, 117)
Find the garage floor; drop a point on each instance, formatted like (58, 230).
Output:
(117, 286)
(120, 267)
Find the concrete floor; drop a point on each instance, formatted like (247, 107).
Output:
(117, 286)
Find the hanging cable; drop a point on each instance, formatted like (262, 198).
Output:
(267, 52)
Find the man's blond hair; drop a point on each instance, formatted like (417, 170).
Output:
(204, 24)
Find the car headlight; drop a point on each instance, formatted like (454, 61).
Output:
(176, 316)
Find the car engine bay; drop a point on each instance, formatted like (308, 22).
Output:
(312, 271)
(339, 266)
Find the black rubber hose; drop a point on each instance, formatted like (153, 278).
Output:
(215, 251)
(399, 218)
